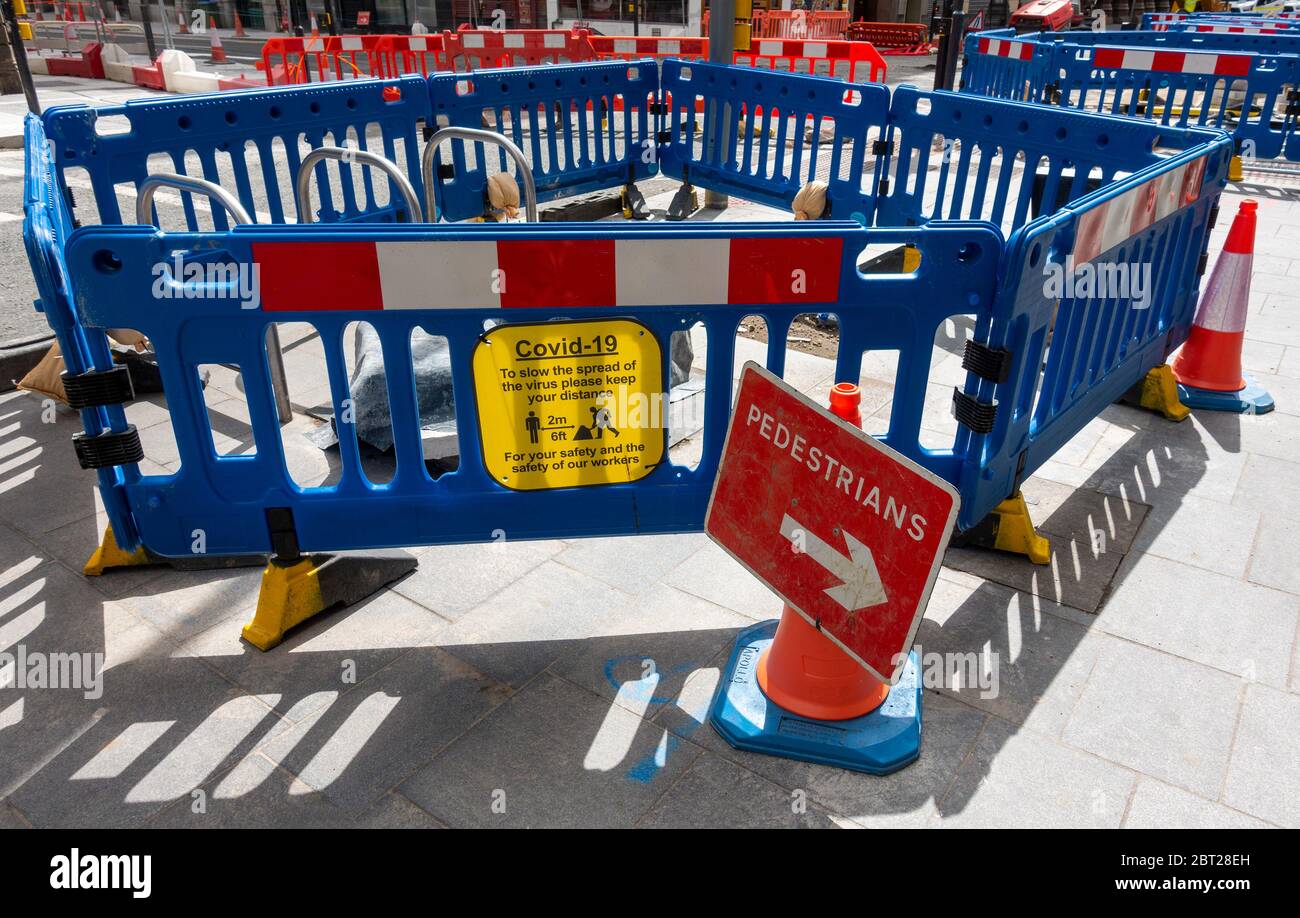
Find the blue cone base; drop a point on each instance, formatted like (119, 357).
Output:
(877, 743)
(1253, 399)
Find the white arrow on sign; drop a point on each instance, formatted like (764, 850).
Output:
(860, 586)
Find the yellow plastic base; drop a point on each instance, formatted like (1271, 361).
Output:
(1016, 533)
(289, 596)
(1235, 173)
(108, 556)
(1160, 393)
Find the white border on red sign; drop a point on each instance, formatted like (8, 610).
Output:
(894, 455)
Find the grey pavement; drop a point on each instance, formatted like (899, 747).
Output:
(1149, 676)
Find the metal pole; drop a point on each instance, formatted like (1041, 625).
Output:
(167, 29)
(957, 30)
(722, 37)
(148, 35)
(20, 58)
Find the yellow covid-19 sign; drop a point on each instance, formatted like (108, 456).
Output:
(570, 404)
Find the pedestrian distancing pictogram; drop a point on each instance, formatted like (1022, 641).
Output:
(565, 404)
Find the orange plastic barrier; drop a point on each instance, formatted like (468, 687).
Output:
(323, 58)
(800, 24)
(854, 61)
(290, 60)
(857, 62)
(629, 48)
(478, 49)
(422, 54)
(890, 35)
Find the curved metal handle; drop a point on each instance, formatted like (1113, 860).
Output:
(302, 183)
(151, 184)
(482, 136)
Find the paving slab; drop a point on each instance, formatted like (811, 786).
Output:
(1157, 805)
(647, 669)
(548, 614)
(554, 755)
(1013, 778)
(1264, 774)
(714, 575)
(453, 579)
(1154, 713)
(393, 811)
(369, 739)
(327, 655)
(1229, 624)
(1006, 652)
(629, 564)
(254, 794)
(1200, 533)
(717, 794)
(11, 818)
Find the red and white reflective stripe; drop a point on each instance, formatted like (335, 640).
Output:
(547, 273)
(999, 47)
(1252, 30)
(1112, 222)
(1226, 299)
(1172, 61)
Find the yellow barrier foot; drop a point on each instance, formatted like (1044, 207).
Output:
(108, 556)
(685, 202)
(633, 203)
(1008, 528)
(1158, 391)
(1235, 173)
(294, 591)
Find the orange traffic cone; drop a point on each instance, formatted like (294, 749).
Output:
(315, 28)
(803, 671)
(181, 27)
(239, 27)
(789, 691)
(218, 53)
(1208, 368)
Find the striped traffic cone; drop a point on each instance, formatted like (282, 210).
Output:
(217, 53)
(1208, 368)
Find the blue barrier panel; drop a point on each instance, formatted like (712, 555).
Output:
(619, 271)
(958, 156)
(46, 227)
(763, 135)
(584, 126)
(1175, 78)
(1210, 42)
(1076, 352)
(1000, 64)
(249, 140)
(1161, 22)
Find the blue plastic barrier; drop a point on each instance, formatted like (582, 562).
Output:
(981, 257)
(1242, 83)
(760, 133)
(243, 139)
(1005, 66)
(584, 126)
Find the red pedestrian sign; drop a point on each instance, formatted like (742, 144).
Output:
(846, 530)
